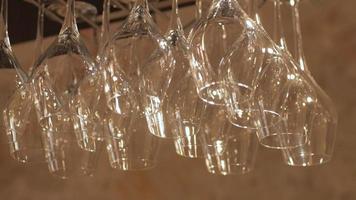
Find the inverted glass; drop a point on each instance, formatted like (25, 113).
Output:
(228, 149)
(65, 81)
(138, 54)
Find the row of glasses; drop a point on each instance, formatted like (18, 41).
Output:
(214, 94)
(260, 84)
(245, 78)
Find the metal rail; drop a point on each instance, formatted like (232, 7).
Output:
(118, 14)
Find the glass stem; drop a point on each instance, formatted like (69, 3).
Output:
(39, 34)
(279, 35)
(175, 23)
(253, 11)
(198, 9)
(298, 39)
(105, 29)
(4, 38)
(143, 3)
(70, 23)
(3, 23)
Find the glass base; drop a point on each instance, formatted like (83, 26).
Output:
(230, 170)
(283, 140)
(188, 147)
(133, 165)
(213, 93)
(306, 159)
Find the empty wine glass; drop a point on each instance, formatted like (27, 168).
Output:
(65, 158)
(317, 116)
(140, 55)
(24, 143)
(227, 149)
(130, 145)
(251, 75)
(64, 81)
(9, 65)
(20, 120)
(20, 124)
(182, 106)
(8, 62)
(209, 39)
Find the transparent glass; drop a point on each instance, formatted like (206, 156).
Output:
(138, 54)
(228, 149)
(21, 127)
(129, 143)
(317, 114)
(182, 106)
(8, 63)
(65, 81)
(65, 158)
(210, 39)
(23, 136)
(254, 71)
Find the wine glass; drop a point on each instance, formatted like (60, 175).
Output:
(130, 145)
(247, 78)
(19, 116)
(22, 136)
(317, 114)
(228, 149)
(209, 39)
(146, 64)
(65, 82)
(182, 106)
(9, 63)
(65, 158)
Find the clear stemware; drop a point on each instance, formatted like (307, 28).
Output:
(20, 119)
(146, 63)
(228, 149)
(210, 39)
(317, 116)
(249, 78)
(182, 106)
(65, 82)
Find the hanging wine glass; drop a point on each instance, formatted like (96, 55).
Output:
(209, 41)
(227, 149)
(23, 140)
(146, 63)
(20, 120)
(101, 107)
(317, 116)
(248, 78)
(9, 65)
(65, 82)
(129, 144)
(182, 106)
